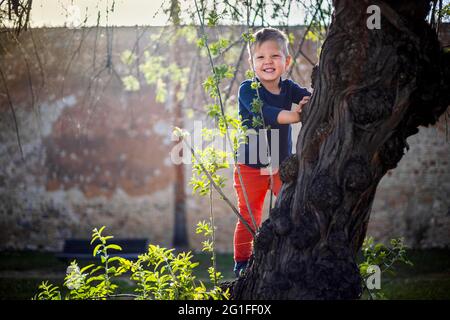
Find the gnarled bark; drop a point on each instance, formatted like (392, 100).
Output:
(372, 89)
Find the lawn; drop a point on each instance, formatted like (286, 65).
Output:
(429, 278)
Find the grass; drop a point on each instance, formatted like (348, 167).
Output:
(429, 278)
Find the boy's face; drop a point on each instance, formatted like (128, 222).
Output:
(269, 61)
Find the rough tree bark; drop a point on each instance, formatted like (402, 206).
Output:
(372, 89)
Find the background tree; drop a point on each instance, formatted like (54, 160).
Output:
(180, 235)
(372, 89)
(16, 13)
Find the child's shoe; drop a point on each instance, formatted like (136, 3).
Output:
(239, 268)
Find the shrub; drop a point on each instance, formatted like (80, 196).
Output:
(159, 274)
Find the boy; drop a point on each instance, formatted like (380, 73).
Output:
(270, 57)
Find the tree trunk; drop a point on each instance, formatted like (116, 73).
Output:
(372, 89)
(180, 236)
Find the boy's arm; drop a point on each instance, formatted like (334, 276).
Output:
(272, 115)
(301, 97)
(287, 117)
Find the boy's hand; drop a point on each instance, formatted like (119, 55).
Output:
(301, 104)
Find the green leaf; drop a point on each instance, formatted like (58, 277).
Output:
(86, 268)
(96, 249)
(131, 83)
(249, 74)
(114, 247)
(115, 259)
(311, 36)
(248, 37)
(94, 238)
(256, 106)
(101, 230)
(291, 37)
(111, 270)
(96, 269)
(97, 278)
(202, 41)
(255, 85)
(127, 57)
(213, 17)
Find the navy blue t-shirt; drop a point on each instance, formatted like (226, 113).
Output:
(254, 152)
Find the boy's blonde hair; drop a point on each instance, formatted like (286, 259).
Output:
(266, 34)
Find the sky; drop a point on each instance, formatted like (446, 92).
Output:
(126, 13)
(73, 12)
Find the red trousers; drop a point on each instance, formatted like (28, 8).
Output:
(256, 186)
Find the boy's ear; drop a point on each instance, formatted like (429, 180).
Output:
(288, 61)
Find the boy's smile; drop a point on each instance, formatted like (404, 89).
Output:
(270, 63)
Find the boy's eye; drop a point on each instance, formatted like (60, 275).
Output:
(259, 57)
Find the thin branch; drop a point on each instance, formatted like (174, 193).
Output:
(438, 25)
(236, 68)
(211, 215)
(218, 189)
(27, 63)
(300, 46)
(119, 295)
(13, 113)
(263, 122)
(222, 109)
(228, 48)
(72, 58)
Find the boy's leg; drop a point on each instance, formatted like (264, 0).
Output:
(276, 180)
(256, 188)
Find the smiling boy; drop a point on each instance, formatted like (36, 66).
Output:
(270, 58)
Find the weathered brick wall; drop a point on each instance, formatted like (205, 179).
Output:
(97, 155)
(413, 200)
